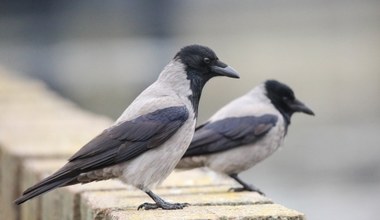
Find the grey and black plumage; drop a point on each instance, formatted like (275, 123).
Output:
(146, 142)
(244, 132)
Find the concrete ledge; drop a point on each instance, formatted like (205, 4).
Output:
(259, 212)
(39, 130)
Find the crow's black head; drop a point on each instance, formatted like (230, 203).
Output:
(201, 64)
(283, 98)
(203, 61)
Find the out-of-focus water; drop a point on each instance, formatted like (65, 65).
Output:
(327, 51)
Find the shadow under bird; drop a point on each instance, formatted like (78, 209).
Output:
(244, 132)
(146, 142)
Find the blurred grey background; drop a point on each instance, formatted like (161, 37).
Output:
(101, 54)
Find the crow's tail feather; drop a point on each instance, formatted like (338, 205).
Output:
(42, 188)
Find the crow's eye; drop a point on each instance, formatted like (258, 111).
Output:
(206, 60)
(288, 98)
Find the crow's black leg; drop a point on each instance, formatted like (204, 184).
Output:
(160, 203)
(245, 187)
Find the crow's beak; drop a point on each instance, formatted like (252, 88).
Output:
(298, 106)
(223, 69)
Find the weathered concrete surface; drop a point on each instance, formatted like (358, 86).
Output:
(40, 130)
(31, 172)
(36, 123)
(251, 212)
(94, 205)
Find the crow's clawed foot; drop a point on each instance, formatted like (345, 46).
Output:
(249, 189)
(246, 187)
(164, 205)
(147, 206)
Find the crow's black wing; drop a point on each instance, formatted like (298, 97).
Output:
(229, 133)
(140, 134)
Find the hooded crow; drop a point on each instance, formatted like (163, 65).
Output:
(244, 132)
(147, 141)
